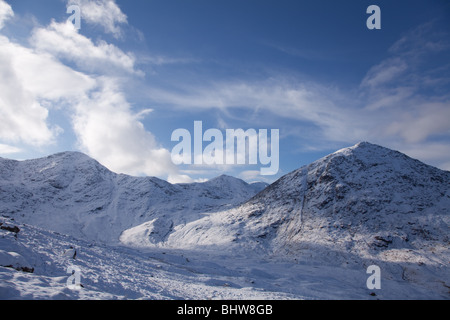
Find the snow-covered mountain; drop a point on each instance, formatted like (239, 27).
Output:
(311, 234)
(75, 195)
(364, 204)
(358, 199)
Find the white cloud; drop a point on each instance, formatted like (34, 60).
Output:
(179, 178)
(63, 41)
(45, 77)
(6, 149)
(445, 166)
(108, 131)
(251, 176)
(105, 13)
(422, 121)
(434, 153)
(6, 13)
(23, 117)
(34, 81)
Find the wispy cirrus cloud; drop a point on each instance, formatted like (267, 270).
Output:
(411, 103)
(387, 71)
(303, 101)
(400, 102)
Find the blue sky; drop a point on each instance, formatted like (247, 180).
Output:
(137, 70)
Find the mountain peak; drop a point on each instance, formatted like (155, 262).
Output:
(363, 201)
(226, 181)
(365, 144)
(365, 154)
(360, 146)
(71, 156)
(225, 177)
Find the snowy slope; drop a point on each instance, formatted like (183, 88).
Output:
(361, 205)
(312, 234)
(363, 191)
(110, 272)
(73, 194)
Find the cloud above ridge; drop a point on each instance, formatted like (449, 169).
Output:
(36, 80)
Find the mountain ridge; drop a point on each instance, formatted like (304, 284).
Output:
(99, 193)
(71, 193)
(329, 220)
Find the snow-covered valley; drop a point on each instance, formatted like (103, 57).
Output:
(310, 235)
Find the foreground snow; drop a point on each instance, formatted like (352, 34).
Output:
(115, 272)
